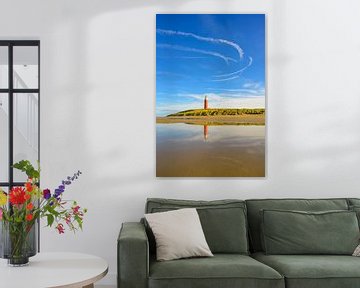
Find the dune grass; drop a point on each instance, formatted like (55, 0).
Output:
(219, 112)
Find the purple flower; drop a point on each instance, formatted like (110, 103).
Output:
(58, 192)
(46, 194)
(64, 183)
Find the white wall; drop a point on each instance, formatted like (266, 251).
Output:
(98, 65)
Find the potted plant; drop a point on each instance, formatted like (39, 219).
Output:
(21, 208)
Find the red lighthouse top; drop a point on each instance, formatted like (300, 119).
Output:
(206, 103)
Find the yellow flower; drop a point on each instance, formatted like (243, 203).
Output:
(3, 198)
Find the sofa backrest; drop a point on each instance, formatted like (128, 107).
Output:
(256, 205)
(353, 202)
(223, 221)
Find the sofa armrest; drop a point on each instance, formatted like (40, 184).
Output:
(133, 256)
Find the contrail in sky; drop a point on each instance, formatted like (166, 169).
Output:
(236, 72)
(202, 38)
(183, 48)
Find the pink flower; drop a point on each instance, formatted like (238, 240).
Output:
(1, 212)
(60, 228)
(76, 210)
(68, 219)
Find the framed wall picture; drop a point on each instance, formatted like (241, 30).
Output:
(210, 95)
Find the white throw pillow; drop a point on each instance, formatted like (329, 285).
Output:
(178, 234)
(357, 251)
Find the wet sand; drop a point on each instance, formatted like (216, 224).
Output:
(219, 151)
(246, 119)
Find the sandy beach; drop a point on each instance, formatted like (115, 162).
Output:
(220, 151)
(247, 119)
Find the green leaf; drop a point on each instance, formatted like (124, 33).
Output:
(50, 219)
(28, 168)
(21, 165)
(53, 211)
(79, 221)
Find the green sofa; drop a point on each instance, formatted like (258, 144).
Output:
(234, 232)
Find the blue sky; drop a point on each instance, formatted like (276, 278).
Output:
(218, 55)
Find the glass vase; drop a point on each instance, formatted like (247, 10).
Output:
(18, 242)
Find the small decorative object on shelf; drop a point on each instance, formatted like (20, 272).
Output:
(21, 208)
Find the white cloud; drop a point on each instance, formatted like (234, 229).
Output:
(206, 39)
(252, 85)
(243, 91)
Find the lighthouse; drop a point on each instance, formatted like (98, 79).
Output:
(205, 102)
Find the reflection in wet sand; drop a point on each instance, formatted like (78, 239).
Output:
(237, 151)
(206, 132)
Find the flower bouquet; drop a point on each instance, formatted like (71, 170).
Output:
(21, 208)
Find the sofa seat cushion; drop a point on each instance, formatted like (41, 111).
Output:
(313, 271)
(222, 270)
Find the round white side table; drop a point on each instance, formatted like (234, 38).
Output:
(50, 270)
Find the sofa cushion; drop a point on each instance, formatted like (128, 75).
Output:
(356, 209)
(354, 205)
(353, 201)
(254, 206)
(297, 232)
(224, 221)
(222, 270)
(313, 271)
